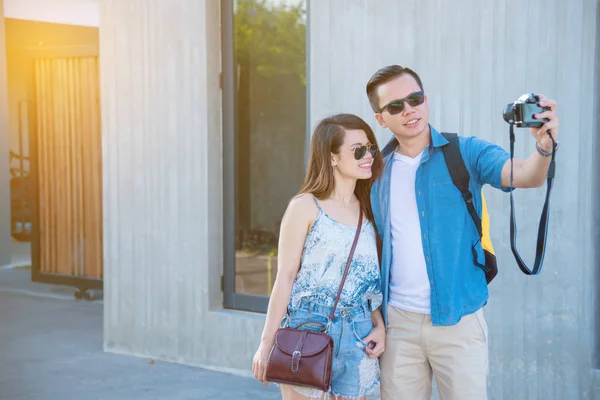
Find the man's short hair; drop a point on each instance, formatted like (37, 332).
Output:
(385, 75)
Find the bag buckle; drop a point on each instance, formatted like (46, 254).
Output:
(296, 356)
(327, 327)
(468, 197)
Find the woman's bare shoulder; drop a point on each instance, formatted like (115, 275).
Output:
(302, 208)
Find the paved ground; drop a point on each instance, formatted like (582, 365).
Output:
(51, 349)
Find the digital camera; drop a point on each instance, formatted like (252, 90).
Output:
(520, 113)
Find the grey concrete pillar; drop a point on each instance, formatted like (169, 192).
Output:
(5, 238)
(162, 176)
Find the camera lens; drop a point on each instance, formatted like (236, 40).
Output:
(509, 113)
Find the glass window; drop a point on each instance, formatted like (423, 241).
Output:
(265, 135)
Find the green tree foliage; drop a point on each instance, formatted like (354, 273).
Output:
(270, 39)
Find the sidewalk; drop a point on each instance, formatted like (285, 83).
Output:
(52, 350)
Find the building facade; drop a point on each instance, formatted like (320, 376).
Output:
(204, 135)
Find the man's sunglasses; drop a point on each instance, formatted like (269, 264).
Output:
(361, 151)
(397, 106)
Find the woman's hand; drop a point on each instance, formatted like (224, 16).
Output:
(375, 341)
(259, 362)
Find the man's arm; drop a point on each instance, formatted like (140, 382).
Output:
(533, 171)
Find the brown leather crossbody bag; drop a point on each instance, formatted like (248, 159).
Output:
(303, 358)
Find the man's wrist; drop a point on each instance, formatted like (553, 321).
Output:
(542, 151)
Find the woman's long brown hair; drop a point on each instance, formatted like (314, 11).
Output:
(327, 138)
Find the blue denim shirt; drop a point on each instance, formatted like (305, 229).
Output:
(458, 286)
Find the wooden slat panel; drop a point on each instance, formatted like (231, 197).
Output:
(60, 161)
(61, 89)
(78, 163)
(44, 222)
(92, 150)
(70, 167)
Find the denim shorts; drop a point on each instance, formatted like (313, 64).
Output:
(353, 373)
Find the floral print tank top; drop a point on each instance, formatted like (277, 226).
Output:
(323, 261)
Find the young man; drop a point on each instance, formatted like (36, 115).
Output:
(433, 290)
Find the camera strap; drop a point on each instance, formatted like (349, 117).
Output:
(543, 226)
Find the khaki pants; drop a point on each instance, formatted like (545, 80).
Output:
(415, 350)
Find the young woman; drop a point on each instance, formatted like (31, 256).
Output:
(316, 235)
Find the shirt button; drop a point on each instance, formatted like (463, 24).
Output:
(425, 236)
(422, 213)
(419, 192)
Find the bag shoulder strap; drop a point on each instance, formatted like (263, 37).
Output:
(339, 293)
(460, 176)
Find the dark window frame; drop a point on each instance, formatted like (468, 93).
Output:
(231, 299)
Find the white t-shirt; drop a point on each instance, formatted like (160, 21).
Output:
(409, 283)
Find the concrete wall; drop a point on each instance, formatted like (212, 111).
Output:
(161, 109)
(596, 212)
(5, 237)
(474, 57)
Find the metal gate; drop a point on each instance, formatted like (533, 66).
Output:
(66, 149)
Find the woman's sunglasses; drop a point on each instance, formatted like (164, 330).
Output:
(397, 106)
(361, 151)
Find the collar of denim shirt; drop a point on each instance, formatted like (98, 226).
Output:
(437, 140)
